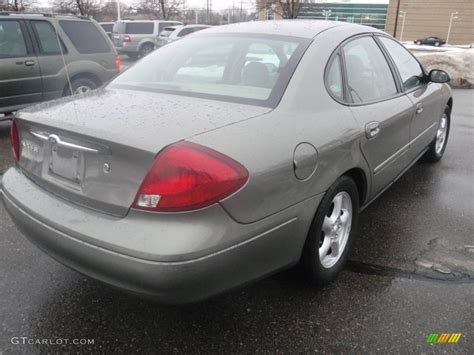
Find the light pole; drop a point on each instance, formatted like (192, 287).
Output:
(404, 15)
(118, 10)
(326, 13)
(453, 17)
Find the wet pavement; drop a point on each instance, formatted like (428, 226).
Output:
(411, 274)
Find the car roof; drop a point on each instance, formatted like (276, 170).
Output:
(296, 28)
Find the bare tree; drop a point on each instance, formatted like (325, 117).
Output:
(79, 7)
(290, 8)
(16, 5)
(160, 9)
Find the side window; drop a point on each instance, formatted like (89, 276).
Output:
(410, 70)
(334, 81)
(85, 37)
(369, 76)
(12, 42)
(140, 28)
(48, 41)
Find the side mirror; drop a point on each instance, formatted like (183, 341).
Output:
(439, 76)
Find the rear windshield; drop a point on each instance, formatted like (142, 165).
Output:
(167, 31)
(108, 27)
(254, 69)
(134, 27)
(85, 37)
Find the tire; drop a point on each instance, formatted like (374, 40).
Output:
(418, 43)
(321, 270)
(146, 49)
(436, 44)
(80, 86)
(438, 145)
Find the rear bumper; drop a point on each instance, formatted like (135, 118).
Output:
(180, 280)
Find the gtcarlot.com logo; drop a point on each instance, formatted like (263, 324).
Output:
(55, 341)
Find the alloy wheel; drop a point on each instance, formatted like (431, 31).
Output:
(441, 134)
(335, 230)
(82, 90)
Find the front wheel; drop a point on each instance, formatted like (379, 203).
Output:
(437, 44)
(332, 232)
(438, 145)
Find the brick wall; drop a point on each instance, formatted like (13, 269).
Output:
(431, 18)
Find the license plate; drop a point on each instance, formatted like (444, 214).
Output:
(66, 163)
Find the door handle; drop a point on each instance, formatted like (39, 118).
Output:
(29, 63)
(372, 129)
(419, 108)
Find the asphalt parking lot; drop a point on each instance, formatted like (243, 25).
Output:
(411, 274)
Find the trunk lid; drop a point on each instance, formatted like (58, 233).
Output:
(95, 150)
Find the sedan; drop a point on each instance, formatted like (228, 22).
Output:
(225, 157)
(431, 41)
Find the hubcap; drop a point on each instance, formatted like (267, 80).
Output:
(441, 134)
(82, 90)
(336, 230)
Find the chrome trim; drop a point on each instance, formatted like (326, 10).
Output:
(54, 139)
(401, 150)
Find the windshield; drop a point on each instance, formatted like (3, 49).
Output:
(254, 69)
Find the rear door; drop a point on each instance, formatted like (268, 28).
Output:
(379, 107)
(20, 76)
(50, 48)
(427, 109)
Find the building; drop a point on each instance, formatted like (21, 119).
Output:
(366, 14)
(425, 18)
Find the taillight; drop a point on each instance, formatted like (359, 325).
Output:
(15, 140)
(127, 39)
(188, 176)
(118, 64)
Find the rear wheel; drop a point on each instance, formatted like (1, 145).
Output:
(146, 49)
(438, 146)
(332, 232)
(437, 44)
(418, 43)
(80, 86)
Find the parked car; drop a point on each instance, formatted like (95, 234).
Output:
(200, 169)
(431, 41)
(108, 28)
(173, 33)
(39, 52)
(138, 38)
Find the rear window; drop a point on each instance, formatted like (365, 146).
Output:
(107, 27)
(139, 28)
(85, 37)
(167, 31)
(250, 69)
(186, 31)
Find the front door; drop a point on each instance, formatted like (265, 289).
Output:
(380, 109)
(427, 109)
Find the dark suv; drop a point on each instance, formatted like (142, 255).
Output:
(39, 52)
